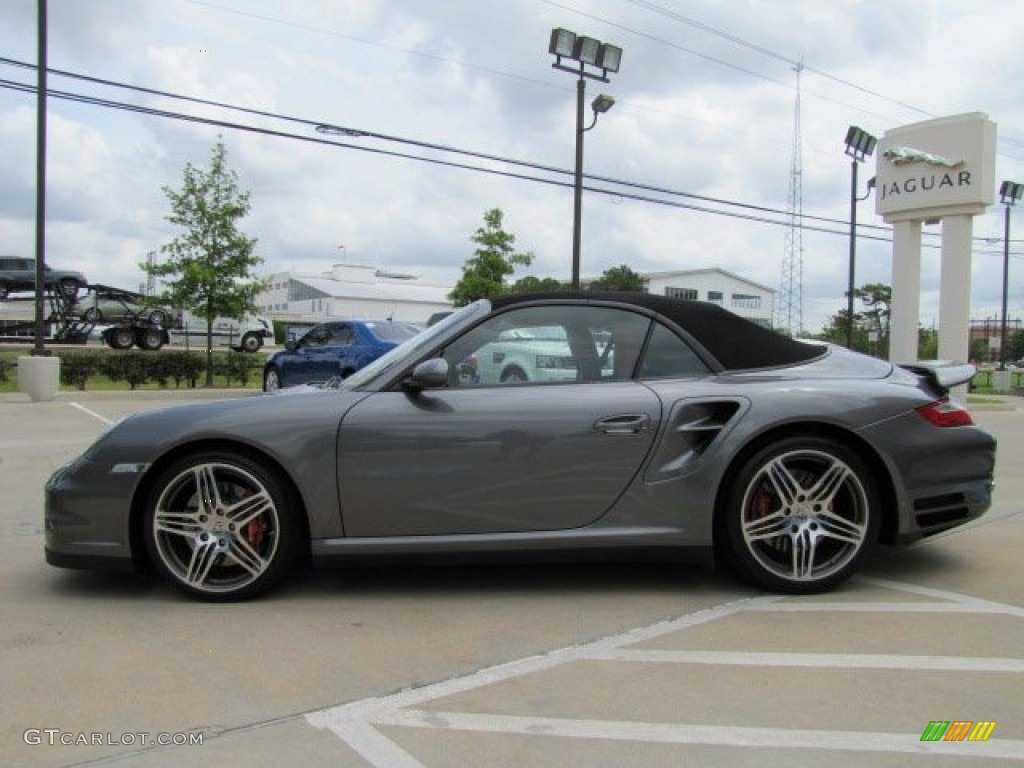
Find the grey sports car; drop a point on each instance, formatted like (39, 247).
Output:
(682, 429)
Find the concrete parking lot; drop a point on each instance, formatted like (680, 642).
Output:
(601, 665)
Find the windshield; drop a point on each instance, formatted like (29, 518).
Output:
(394, 331)
(411, 348)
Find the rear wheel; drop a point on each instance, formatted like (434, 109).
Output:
(158, 317)
(121, 338)
(69, 287)
(218, 526)
(92, 315)
(802, 515)
(149, 339)
(513, 375)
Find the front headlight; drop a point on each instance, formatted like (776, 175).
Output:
(556, 362)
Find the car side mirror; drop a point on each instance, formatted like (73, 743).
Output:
(430, 374)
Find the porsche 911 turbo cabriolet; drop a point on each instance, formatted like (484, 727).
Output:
(673, 428)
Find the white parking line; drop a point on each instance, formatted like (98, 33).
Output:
(356, 723)
(95, 415)
(716, 735)
(816, 660)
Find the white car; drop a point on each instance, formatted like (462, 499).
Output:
(531, 354)
(246, 335)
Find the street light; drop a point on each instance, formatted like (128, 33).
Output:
(585, 52)
(859, 146)
(1009, 193)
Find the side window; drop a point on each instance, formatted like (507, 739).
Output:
(340, 335)
(315, 337)
(548, 345)
(667, 355)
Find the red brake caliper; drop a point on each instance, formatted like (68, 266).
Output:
(254, 533)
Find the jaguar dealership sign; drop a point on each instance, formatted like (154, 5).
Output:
(935, 171)
(936, 168)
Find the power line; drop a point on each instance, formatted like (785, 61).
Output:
(617, 193)
(409, 142)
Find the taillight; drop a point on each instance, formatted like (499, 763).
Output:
(945, 413)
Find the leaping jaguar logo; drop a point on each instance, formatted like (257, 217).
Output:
(908, 155)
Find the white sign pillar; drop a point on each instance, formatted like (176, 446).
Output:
(955, 289)
(906, 285)
(944, 170)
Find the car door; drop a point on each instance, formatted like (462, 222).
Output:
(315, 357)
(479, 458)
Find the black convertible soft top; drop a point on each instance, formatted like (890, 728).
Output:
(736, 343)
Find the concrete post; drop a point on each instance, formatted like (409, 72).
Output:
(906, 291)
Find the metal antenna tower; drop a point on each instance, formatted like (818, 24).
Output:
(789, 310)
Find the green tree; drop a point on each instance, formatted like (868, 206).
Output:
(835, 332)
(483, 275)
(620, 278)
(208, 269)
(877, 297)
(531, 284)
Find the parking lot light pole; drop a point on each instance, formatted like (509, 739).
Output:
(38, 350)
(1009, 193)
(585, 52)
(859, 146)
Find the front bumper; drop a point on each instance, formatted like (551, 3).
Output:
(87, 518)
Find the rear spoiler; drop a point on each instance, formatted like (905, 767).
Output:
(943, 374)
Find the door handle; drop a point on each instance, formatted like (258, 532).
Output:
(625, 424)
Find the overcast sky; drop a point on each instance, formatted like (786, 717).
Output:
(705, 105)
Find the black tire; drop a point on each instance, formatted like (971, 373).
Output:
(92, 315)
(121, 338)
(219, 527)
(251, 342)
(69, 287)
(271, 379)
(158, 317)
(150, 339)
(801, 515)
(513, 375)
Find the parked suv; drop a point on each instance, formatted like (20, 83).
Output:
(18, 274)
(338, 348)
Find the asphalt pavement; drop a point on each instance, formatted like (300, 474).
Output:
(604, 665)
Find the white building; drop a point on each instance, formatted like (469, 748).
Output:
(350, 292)
(745, 298)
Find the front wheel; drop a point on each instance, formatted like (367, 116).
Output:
(251, 342)
(218, 527)
(802, 515)
(271, 380)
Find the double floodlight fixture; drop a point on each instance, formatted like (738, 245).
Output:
(1010, 192)
(859, 143)
(586, 51)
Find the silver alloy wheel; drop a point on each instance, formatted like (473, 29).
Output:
(215, 529)
(92, 315)
(805, 516)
